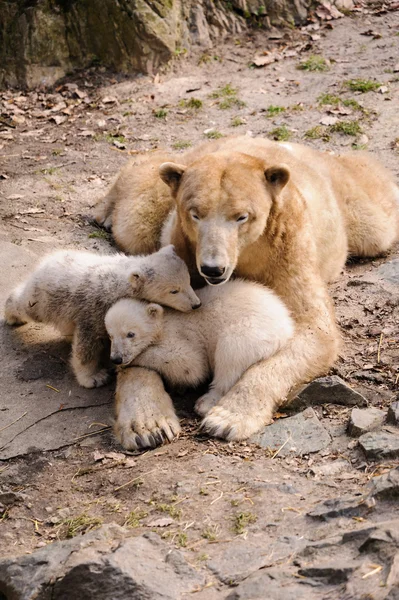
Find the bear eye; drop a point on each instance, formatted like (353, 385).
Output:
(194, 215)
(242, 218)
(130, 334)
(174, 291)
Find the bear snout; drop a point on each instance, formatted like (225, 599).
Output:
(116, 359)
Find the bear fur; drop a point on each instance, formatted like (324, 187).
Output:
(72, 290)
(284, 215)
(237, 326)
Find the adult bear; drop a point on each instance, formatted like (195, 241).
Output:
(281, 214)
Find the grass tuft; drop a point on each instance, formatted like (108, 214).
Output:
(213, 135)
(181, 144)
(362, 85)
(272, 111)
(134, 517)
(314, 63)
(194, 103)
(80, 524)
(281, 134)
(237, 121)
(161, 113)
(242, 520)
(346, 128)
(317, 133)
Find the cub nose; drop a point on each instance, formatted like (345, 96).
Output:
(195, 306)
(117, 360)
(212, 271)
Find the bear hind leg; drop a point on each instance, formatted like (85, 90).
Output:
(86, 354)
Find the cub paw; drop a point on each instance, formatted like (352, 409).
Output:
(150, 434)
(206, 402)
(232, 426)
(94, 380)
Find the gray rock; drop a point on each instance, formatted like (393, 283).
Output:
(300, 434)
(386, 486)
(363, 420)
(103, 564)
(381, 444)
(383, 540)
(332, 573)
(235, 561)
(328, 390)
(346, 506)
(393, 413)
(389, 272)
(255, 586)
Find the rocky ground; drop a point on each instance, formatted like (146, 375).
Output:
(309, 508)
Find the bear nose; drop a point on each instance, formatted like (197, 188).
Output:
(212, 271)
(117, 360)
(195, 306)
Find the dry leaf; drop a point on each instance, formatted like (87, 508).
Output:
(328, 121)
(58, 119)
(119, 145)
(161, 522)
(86, 133)
(383, 89)
(15, 197)
(109, 100)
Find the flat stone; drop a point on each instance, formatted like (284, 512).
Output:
(380, 444)
(363, 420)
(389, 272)
(332, 573)
(300, 434)
(393, 413)
(235, 561)
(107, 563)
(385, 486)
(345, 506)
(255, 586)
(328, 390)
(384, 540)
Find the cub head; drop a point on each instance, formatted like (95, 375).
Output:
(223, 201)
(163, 278)
(132, 327)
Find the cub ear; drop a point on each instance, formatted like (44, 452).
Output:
(168, 250)
(154, 311)
(137, 280)
(171, 174)
(277, 177)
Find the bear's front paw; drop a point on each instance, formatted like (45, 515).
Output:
(206, 402)
(94, 380)
(134, 435)
(232, 426)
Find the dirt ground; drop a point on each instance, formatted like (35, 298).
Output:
(59, 151)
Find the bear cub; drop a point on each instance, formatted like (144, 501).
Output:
(237, 325)
(72, 290)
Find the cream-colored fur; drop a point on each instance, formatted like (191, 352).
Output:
(72, 290)
(302, 213)
(137, 187)
(144, 413)
(237, 326)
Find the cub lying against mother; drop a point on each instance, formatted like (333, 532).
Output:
(72, 290)
(237, 326)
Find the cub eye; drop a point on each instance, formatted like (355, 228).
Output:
(130, 334)
(242, 218)
(194, 216)
(174, 291)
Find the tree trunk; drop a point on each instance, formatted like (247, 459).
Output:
(42, 40)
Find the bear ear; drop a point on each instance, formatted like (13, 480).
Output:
(277, 177)
(137, 280)
(154, 311)
(169, 250)
(171, 174)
